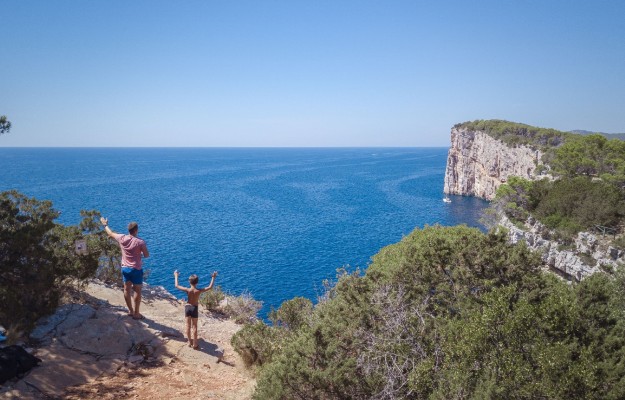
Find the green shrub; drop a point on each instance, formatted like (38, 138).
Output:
(514, 133)
(374, 331)
(256, 343)
(566, 227)
(515, 199)
(110, 273)
(212, 299)
(567, 205)
(566, 247)
(591, 155)
(292, 314)
(607, 268)
(451, 313)
(587, 259)
(38, 259)
(541, 169)
(619, 242)
(580, 203)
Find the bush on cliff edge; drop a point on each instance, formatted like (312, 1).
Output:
(450, 313)
(38, 259)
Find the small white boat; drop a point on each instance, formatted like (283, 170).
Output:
(447, 199)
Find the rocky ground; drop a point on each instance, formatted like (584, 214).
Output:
(91, 348)
(586, 255)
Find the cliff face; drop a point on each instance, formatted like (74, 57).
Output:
(477, 164)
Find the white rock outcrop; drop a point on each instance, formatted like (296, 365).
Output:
(585, 257)
(477, 163)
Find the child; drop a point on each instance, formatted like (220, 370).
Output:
(191, 308)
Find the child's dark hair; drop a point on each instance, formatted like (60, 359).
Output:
(193, 279)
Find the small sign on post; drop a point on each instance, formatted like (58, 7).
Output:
(81, 247)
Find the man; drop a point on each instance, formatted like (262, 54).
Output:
(132, 248)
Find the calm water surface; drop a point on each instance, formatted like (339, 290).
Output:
(275, 222)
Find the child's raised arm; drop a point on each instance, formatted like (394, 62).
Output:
(210, 286)
(184, 289)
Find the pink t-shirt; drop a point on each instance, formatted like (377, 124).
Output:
(132, 247)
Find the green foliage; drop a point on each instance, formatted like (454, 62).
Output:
(292, 314)
(518, 344)
(28, 268)
(514, 198)
(568, 205)
(601, 327)
(591, 155)
(619, 242)
(319, 360)
(514, 133)
(541, 169)
(580, 203)
(98, 243)
(256, 343)
(5, 125)
(38, 261)
(451, 313)
(212, 298)
(589, 190)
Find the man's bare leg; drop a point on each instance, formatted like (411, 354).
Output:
(137, 299)
(128, 297)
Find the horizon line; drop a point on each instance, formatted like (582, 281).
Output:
(221, 147)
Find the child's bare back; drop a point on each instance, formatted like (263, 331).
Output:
(193, 295)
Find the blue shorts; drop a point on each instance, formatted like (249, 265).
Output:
(133, 275)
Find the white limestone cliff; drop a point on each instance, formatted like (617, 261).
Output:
(477, 163)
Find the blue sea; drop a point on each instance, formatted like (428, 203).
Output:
(272, 221)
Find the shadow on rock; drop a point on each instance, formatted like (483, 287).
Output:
(81, 342)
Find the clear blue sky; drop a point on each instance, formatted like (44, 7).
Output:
(304, 73)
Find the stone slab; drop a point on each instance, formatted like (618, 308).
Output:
(67, 316)
(102, 336)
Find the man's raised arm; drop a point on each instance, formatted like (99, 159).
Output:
(109, 231)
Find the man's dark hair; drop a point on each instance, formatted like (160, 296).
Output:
(133, 228)
(193, 279)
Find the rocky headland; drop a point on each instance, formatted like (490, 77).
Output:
(477, 164)
(91, 348)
